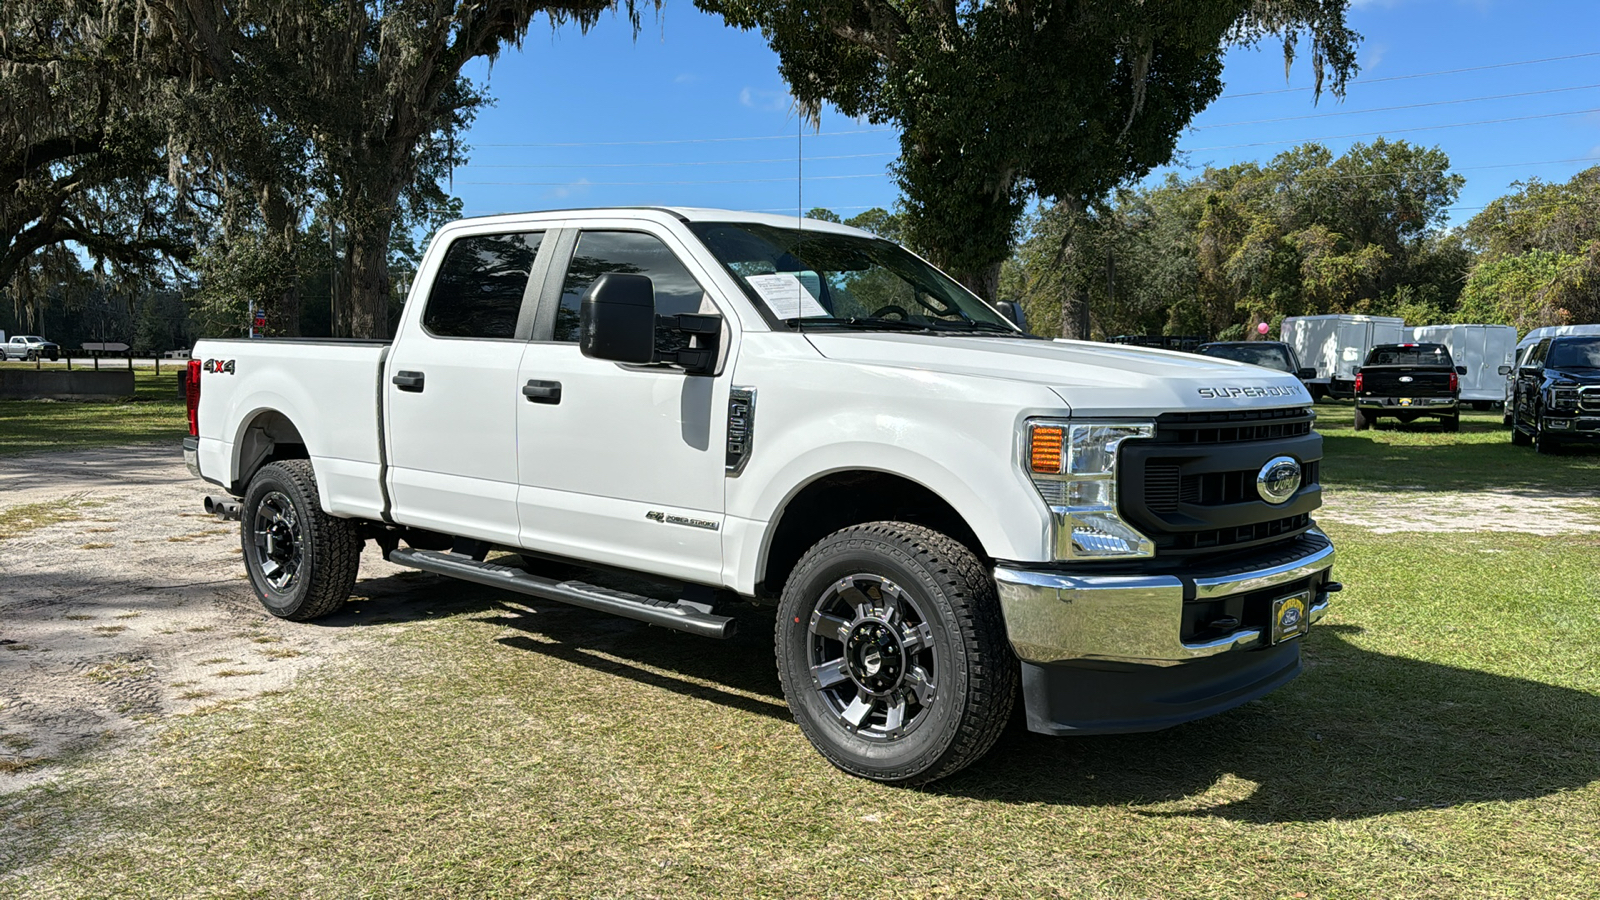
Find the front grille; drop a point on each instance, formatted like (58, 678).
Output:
(1192, 488)
(1589, 398)
(1228, 537)
(1233, 427)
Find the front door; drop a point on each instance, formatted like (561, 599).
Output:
(451, 391)
(621, 464)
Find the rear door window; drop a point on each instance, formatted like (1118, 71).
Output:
(481, 285)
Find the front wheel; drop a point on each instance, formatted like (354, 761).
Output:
(1544, 442)
(302, 562)
(892, 653)
(1363, 420)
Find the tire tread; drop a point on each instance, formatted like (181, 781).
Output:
(336, 545)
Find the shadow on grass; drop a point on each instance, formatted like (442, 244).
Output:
(1359, 461)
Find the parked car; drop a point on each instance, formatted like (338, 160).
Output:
(1525, 346)
(1407, 382)
(944, 510)
(1557, 397)
(1486, 351)
(29, 347)
(1335, 345)
(1270, 354)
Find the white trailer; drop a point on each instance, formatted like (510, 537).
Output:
(1483, 349)
(1336, 345)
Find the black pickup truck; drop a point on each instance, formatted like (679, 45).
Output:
(1407, 382)
(1556, 397)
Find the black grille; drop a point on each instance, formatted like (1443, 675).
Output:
(1162, 485)
(1216, 488)
(1227, 537)
(1233, 427)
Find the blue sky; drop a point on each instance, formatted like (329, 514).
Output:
(693, 113)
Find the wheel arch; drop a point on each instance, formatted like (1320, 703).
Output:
(265, 435)
(834, 500)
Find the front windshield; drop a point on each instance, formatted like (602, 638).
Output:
(1414, 355)
(821, 279)
(1570, 353)
(1256, 355)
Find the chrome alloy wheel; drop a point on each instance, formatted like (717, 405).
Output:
(279, 541)
(872, 657)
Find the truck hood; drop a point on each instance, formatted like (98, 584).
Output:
(1093, 379)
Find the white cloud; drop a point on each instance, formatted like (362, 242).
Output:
(775, 101)
(686, 78)
(576, 188)
(1375, 55)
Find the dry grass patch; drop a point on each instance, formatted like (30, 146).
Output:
(109, 630)
(96, 545)
(236, 673)
(280, 653)
(20, 520)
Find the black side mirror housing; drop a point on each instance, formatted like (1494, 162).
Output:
(1305, 374)
(1461, 370)
(1505, 370)
(1013, 311)
(617, 319)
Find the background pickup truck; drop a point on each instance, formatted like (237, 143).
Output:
(1557, 393)
(942, 509)
(1407, 382)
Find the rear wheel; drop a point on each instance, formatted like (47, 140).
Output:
(1450, 423)
(302, 562)
(1363, 419)
(892, 653)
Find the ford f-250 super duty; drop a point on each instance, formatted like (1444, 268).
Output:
(943, 509)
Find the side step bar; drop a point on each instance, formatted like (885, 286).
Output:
(676, 616)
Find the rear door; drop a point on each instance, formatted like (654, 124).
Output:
(1528, 378)
(451, 390)
(622, 464)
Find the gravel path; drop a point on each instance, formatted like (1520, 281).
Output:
(132, 606)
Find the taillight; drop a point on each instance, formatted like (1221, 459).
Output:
(1358, 382)
(191, 396)
(1455, 383)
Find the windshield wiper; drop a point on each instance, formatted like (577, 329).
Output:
(971, 325)
(865, 323)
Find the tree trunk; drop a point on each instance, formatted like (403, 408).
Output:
(282, 303)
(984, 282)
(1075, 314)
(366, 265)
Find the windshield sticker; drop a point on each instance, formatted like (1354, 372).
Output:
(785, 295)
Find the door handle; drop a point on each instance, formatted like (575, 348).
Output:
(542, 391)
(408, 381)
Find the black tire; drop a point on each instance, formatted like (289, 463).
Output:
(1450, 423)
(1519, 438)
(1544, 443)
(1364, 421)
(925, 603)
(302, 562)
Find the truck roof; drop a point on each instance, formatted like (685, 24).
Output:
(681, 213)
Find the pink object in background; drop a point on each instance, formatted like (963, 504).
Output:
(1262, 328)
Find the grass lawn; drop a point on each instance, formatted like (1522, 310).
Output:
(1444, 741)
(153, 413)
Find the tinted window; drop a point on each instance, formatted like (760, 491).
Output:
(629, 253)
(1259, 355)
(1416, 355)
(1575, 353)
(1536, 355)
(478, 292)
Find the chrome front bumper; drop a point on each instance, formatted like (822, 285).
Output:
(1053, 617)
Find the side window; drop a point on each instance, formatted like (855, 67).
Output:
(628, 252)
(478, 292)
(1536, 358)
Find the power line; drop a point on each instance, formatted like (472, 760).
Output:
(1404, 172)
(727, 162)
(1335, 137)
(651, 183)
(1506, 65)
(1357, 112)
(724, 140)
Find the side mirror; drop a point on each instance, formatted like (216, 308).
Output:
(1461, 370)
(1505, 370)
(1013, 311)
(617, 319)
(1305, 374)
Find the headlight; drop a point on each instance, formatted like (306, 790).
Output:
(1564, 398)
(1074, 468)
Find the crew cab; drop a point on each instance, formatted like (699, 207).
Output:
(944, 510)
(1407, 382)
(1271, 354)
(30, 347)
(1556, 395)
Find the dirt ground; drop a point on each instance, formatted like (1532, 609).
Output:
(121, 601)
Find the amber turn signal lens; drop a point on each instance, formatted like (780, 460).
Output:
(1044, 449)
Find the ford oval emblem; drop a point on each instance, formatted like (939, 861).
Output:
(1278, 479)
(1405, 379)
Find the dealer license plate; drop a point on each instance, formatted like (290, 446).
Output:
(1405, 401)
(1291, 616)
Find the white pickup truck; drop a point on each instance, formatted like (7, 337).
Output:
(943, 509)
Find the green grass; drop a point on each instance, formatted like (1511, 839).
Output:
(1444, 741)
(153, 413)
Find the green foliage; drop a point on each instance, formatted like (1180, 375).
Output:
(1214, 255)
(999, 102)
(1526, 290)
(1539, 254)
